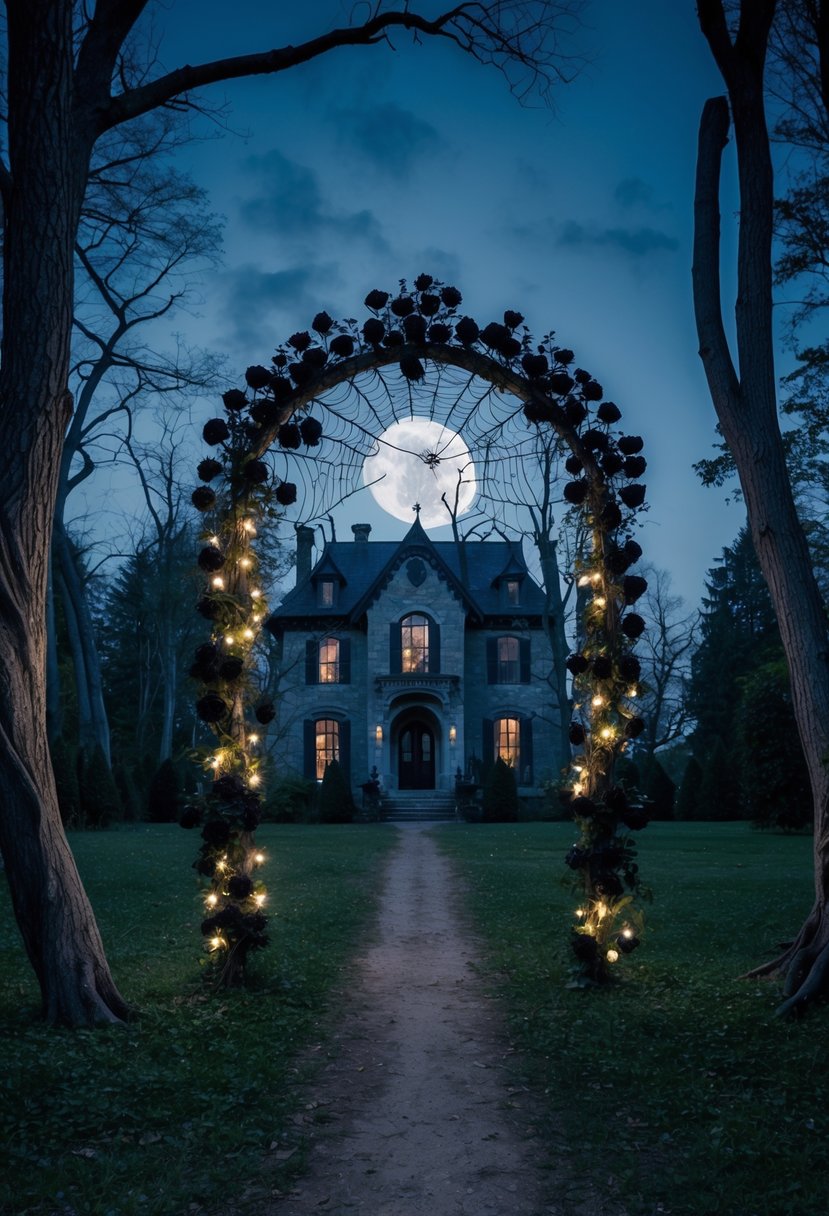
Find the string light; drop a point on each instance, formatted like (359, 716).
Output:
(245, 563)
(607, 732)
(212, 900)
(248, 634)
(255, 594)
(597, 701)
(259, 899)
(600, 601)
(218, 582)
(216, 943)
(254, 779)
(254, 739)
(214, 540)
(612, 956)
(249, 526)
(259, 858)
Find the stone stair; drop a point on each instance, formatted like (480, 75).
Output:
(418, 806)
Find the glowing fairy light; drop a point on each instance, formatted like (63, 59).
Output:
(612, 956)
(218, 582)
(597, 701)
(214, 540)
(245, 563)
(259, 858)
(248, 634)
(249, 526)
(259, 899)
(216, 943)
(254, 779)
(255, 594)
(212, 900)
(600, 601)
(254, 739)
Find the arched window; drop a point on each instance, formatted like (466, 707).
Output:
(508, 741)
(329, 661)
(326, 744)
(324, 740)
(414, 643)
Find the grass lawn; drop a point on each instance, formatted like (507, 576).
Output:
(191, 1108)
(677, 1083)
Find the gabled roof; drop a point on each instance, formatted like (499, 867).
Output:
(365, 567)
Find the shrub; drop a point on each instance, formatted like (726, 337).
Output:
(290, 800)
(100, 802)
(500, 796)
(687, 799)
(660, 791)
(164, 797)
(335, 803)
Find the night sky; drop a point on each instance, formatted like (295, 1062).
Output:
(368, 166)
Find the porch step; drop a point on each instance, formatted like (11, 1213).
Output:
(418, 806)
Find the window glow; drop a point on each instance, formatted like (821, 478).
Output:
(414, 643)
(507, 745)
(326, 743)
(329, 661)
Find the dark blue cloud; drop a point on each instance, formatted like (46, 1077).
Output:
(292, 204)
(390, 137)
(256, 301)
(638, 242)
(633, 192)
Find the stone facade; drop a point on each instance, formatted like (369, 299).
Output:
(415, 659)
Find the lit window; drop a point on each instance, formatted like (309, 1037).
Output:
(329, 661)
(414, 643)
(507, 733)
(509, 666)
(327, 593)
(513, 589)
(326, 744)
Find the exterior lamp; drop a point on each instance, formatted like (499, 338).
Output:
(378, 734)
(453, 734)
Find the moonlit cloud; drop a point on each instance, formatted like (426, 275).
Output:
(633, 192)
(637, 242)
(257, 300)
(291, 203)
(392, 138)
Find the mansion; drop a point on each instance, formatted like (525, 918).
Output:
(414, 657)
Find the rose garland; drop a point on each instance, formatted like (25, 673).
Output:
(408, 329)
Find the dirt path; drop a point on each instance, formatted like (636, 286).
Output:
(423, 1117)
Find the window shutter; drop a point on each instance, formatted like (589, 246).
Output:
(312, 659)
(434, 647)
(525, 743)
(488, 743)
(492, 660)
(345, 749)
(395, 648)
(524, 654)
(345, 660)
(309, 749)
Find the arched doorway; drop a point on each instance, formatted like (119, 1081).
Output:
(416, 756)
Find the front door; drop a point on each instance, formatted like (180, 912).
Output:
(416, 758)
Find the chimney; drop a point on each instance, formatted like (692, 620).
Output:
(361, 532)
(304, 545)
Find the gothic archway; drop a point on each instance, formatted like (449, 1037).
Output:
(340, 384)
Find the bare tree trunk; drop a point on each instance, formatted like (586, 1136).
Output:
(93, 726)
(747, 409)
(53, 913)
(553, 621)
(54, 716)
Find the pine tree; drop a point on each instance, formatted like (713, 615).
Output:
(773, 775)
(100, 802)
(719, 794)
(163, 800)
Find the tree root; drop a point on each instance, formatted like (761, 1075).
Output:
(814, 985)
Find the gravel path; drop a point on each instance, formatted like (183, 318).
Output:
(423, 1118)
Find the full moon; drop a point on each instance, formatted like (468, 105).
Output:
(417, 461)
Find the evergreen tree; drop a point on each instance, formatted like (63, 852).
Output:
(719, 793)
(688, 796)
(500, 794)
(738, 632)
(773, 775)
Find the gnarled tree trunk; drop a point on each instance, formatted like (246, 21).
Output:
(45, 149)
(746, 406)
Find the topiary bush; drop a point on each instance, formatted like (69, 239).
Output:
(290, 800)
(335, 802)
(500, 795)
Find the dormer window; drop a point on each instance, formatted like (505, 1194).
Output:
(326, 593)
(512, 590)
